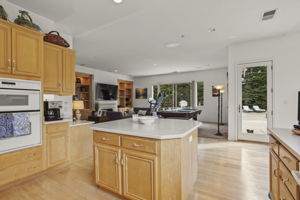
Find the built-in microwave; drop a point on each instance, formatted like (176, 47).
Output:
(20, 114)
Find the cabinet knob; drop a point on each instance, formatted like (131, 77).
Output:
(105, 139)
(287, 158)
(137, 145)
(285, 180)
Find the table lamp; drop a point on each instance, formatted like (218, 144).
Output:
(78, 105)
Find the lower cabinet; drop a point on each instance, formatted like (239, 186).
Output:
(283, 186)
(125, 172)
(274, 176)
(139, 175)
(108, 175)
(56, 144)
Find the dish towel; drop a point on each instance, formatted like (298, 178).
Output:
(21, 124)
(6, 125)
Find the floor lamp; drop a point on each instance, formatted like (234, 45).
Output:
(219, 88)
(221, 93)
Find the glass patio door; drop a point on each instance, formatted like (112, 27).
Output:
(254, 101)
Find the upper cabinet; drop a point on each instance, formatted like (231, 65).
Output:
(21, 51)
(59, 70)
(5, 48)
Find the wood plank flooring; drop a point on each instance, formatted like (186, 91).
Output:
(227, 171)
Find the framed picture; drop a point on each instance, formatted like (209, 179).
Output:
(141, 93)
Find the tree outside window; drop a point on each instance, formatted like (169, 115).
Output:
(167, 89)
(200, 93)
(183, 92)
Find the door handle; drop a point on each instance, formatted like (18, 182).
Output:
(239, 108)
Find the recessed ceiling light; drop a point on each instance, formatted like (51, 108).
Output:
(211, 30)
(115, 70)
(172, 45)
(118, 1)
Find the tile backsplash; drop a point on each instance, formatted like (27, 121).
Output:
(67, 111)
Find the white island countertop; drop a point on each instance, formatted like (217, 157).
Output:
(160, 129)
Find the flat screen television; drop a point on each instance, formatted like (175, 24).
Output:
(106, 92)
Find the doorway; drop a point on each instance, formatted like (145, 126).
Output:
(254, 81)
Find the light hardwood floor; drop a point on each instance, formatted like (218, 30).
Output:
(227, 171)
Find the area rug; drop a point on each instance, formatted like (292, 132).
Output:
(209, 130)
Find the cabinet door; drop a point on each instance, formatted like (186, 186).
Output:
(5, 48)
(27, 52)
(139, 175)
(52, 69)
(107, 166)
(57, 148)
(68, 76)
(274, 176)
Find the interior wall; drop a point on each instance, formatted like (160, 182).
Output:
(46, 24)
(209, 77)
(284, 51)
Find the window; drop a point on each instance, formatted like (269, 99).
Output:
(183, 92)
(154, 92)
(200, 93)
(168, 89)
(175, 93)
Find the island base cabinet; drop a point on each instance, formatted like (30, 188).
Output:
(107, 168)
(139, 175)
(274, 176)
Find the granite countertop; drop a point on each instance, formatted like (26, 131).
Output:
(81, 123)
(160, 129)
(290, 140)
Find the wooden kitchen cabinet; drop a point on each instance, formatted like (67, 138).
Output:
(139, 175)
(57, 144)
(21, 56)
(52, 69)
(5, 48)
(274, 176)
(140, 168)
(68, 72)
(59, 70)
(108, 168)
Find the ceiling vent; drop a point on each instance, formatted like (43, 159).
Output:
(268, 15)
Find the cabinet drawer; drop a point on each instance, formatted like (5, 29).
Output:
(107, 138)
(145, 145)
(284, 193)
(23, 170)
(288, 180)
(54, 128)
(274, 145)
(288, 159)
(28, 168)
(14, 158)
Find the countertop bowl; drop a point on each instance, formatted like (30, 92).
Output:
(147, 120)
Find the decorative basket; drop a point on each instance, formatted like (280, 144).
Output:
(25, 20)
(56, 39)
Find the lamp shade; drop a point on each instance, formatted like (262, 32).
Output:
(78, 105)
(219, 87)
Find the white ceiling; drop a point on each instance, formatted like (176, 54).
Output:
(131, 37)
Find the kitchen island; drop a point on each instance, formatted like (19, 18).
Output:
(153, 162)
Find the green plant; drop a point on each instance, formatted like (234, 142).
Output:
(96, 106)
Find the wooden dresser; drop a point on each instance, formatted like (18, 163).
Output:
(284, 158)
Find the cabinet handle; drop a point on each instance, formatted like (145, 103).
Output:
(30, 155)
(275, 173)
(13, 65)
(282, 198)
(286, 158)
(9, 64)
(285, 180)
(137, 145)
(105, 139)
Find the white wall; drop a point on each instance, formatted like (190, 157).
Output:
(46, 24)
(285, 53)
(209, 77)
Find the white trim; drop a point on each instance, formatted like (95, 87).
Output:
(238, 69)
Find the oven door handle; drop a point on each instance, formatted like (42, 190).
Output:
(20, 111)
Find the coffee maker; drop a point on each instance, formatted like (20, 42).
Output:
(52, 110)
